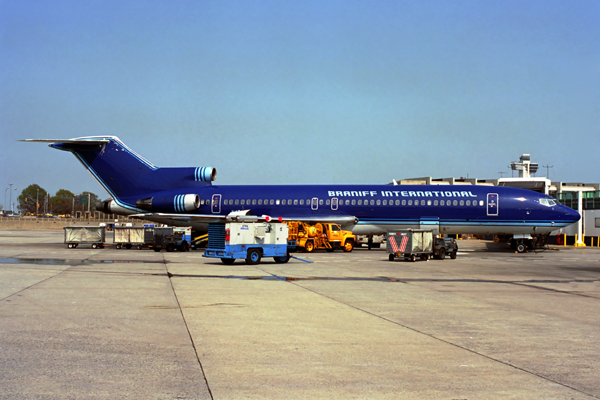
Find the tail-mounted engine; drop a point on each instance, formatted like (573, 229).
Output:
(187, 174)
(205, 174)
(177, 203)
(110, 207)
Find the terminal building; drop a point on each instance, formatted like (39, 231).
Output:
(583, 197)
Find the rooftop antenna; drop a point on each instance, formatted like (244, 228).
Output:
(547, 169)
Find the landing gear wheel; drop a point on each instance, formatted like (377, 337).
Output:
(253, 257)
(442, 254)
(227, 261)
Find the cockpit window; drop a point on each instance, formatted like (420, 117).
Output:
(548, 202)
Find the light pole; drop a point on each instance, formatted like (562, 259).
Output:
(13, 206)
(10, 191)
(5, 190)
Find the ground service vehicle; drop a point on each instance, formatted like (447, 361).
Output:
(76, 235)
(320, 236)
(248, 240)
(170, 238)
(413, 243)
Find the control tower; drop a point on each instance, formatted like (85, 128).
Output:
(524, 166)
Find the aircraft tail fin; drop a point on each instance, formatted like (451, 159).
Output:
(123, 173)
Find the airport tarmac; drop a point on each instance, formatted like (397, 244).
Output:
(107, 323)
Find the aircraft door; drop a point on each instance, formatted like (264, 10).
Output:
(334, 203)
(492, 204)
(314, 203)
(216, 204)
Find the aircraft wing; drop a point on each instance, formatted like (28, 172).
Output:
(183, 217)
(242, 216)
(332, 219)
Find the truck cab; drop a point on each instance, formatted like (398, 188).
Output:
(337, 237)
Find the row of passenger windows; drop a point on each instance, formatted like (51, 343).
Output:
(353, 202)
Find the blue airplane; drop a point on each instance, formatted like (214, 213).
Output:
(187, 197)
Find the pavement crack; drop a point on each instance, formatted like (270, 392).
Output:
(187, 328)
(434, 337)
(40, 282)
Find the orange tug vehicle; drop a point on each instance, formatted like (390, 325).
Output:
(320, 236)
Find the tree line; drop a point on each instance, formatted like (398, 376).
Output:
(36, 200)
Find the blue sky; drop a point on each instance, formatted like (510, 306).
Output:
(302, 91)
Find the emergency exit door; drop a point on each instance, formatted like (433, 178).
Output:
(492, 204)
(216, 204)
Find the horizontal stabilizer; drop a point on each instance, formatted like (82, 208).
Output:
(81, 142)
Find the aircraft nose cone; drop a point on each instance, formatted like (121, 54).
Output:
(572, 214)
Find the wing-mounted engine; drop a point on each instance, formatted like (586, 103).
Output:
(180, 203)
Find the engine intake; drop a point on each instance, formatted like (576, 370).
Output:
(110, 207)
(205, 174)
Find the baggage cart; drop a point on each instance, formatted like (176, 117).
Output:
(76, 235)
(411, 244)
(129, 236)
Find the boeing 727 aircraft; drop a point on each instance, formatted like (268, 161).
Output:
(187, 197)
